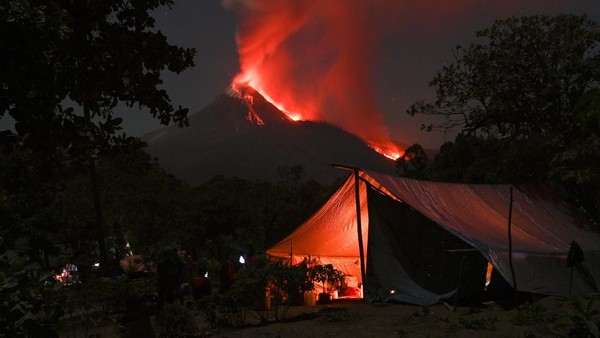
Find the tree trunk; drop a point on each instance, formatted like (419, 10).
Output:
(99, 219)
(99, 232)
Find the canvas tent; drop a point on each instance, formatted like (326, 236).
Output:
(402, 224)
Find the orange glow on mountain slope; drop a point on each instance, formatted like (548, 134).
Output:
(239, 86)
(392, 153)
(312, 60)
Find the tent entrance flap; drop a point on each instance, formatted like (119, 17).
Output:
(412, 259)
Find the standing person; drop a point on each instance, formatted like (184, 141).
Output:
(226, 276)
(168, 277)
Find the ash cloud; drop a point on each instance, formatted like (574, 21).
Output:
(323, 59)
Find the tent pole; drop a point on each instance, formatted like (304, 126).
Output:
(291, 251)
(359, 226)
(510, 258)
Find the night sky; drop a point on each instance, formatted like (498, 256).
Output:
(411, 50)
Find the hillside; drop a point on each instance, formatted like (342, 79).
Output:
(222, 139)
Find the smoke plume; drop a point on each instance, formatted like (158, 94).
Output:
(316, 59)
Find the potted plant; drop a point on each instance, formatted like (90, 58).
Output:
(326, 274)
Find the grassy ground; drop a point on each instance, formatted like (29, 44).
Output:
(547, 317)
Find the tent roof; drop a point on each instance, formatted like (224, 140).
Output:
(478, 213)
(332, 230)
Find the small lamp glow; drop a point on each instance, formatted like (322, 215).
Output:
(242, 260)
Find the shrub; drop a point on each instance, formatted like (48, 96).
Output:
(533, 314)
(176, 321)
(485, 324)
(261, 282)
(31, 299)
(584, 318)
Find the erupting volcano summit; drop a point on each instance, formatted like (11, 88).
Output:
(248, 94)
(313, 61)
(242, 134)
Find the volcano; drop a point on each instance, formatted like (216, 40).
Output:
(241, 134)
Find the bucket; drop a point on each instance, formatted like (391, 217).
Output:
(310, 299)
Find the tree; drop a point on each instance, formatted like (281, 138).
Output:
(65, 67)
(524, 77)
(413, 162)
(578, 165)
(517, 98)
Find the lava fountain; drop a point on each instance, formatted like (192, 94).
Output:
(313, 60)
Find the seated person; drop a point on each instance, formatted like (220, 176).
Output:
(350, 286)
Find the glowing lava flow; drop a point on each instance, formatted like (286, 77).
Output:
(245, 91)
(242, 86)
(391, 153)
(245, 87)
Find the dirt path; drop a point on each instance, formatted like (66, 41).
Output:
(395, 320)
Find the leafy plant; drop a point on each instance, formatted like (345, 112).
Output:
(31, 299)
(326, 274)
(584, 318)
(290, 282)
(262, 285)
(176, 321)
(94, 303)
(533, 314)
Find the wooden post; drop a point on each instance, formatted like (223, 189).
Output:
(291, 251)
(361, 249)
(460, 267)
(510, 258)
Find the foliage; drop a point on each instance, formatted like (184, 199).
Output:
(31, 299)
(529, 314)
(584, 319)
(485, 324)
(226, 310)
(326, 273)
(143, 206)
(176, 321)
(261, 285)
(230, 309)
(413, 162)
(94, 54)
(66, 65)
(524, 98)
(523, 78)
(25, 214)
(578, 165)
(473, 159)
(287, 284)
(94, 303)
(231, 216)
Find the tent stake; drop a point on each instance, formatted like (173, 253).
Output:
(510, 256)
(359, 227)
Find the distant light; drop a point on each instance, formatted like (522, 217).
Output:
(392, 292)
(242, 260)
(96, 265)
(206, 274)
